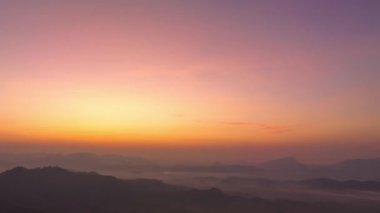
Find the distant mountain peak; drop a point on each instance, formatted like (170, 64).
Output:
(16, 170)
(288, 160)
(40, 169)
(283, 163)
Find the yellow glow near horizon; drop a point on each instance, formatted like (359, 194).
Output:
(184, 73)
(98, 117)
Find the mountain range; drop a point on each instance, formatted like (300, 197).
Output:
(121, 165)
(57, 190)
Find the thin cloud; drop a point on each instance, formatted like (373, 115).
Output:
(237, 123)
(273, 129)
(268, 128)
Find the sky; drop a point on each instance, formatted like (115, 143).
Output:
(190, 73)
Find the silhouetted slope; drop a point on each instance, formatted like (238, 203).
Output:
(287, 163)
(56, 190)
(129, 166)
(78, 161)
(248, 180)
(359, 169)
(326, 183)
(216, 168)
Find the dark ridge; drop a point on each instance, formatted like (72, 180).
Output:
(57, 190)
(283, 163)
(327, 183)
(248, 180)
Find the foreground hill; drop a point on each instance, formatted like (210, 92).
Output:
(56, 190)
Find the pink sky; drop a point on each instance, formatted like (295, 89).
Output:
(190, 72)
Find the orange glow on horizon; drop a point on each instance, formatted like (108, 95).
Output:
(184, 73)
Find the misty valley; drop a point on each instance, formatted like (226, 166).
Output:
(88, 182)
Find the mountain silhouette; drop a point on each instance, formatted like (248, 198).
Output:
(327, 183)
(287, 163)
(134, 166)
(57, 190)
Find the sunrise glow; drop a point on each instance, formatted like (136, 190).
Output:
(187, 73)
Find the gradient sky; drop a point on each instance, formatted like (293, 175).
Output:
(190, 72)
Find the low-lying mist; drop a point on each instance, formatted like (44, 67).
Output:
(285, 178)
